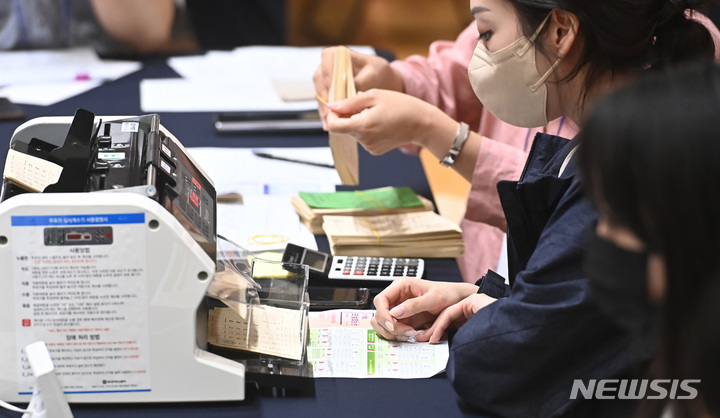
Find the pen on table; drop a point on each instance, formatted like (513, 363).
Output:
(277, 157)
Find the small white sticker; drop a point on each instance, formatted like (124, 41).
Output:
(165, 166)
(166, 150)
(130, 127)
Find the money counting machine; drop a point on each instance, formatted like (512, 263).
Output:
(110, 264)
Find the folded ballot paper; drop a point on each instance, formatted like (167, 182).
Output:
(312, 207)
(415, 234)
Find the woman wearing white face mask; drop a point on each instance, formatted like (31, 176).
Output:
(521, 348)
(441, 79)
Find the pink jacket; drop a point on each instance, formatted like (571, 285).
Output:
(442, 79)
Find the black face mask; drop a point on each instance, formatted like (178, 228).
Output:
(618, 279)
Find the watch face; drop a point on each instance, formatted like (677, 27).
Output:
(315, 261)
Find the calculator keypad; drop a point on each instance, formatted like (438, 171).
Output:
(375, 268)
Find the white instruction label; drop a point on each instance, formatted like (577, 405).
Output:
(80, 286)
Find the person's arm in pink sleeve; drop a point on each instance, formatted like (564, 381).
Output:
(441, 78)
(497, 161)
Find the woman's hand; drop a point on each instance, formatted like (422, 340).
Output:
(455, 316)
(383, 120)
(369, 72)
(409, 305)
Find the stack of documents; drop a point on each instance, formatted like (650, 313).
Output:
(312, 207)
(414, 234)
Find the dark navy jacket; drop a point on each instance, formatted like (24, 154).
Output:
(518, 357)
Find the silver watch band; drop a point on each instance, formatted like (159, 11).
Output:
(462, 135)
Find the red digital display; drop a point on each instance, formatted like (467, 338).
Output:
(195, 199)
(78, 236)
(196, 183)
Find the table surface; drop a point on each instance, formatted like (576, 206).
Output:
(333, 397)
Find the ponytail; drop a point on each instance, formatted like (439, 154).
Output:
(679, 36)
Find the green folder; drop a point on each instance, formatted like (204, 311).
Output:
(382, 198)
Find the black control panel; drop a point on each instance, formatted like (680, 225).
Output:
(131, 152)
(78, 235)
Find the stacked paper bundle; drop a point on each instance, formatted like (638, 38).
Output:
(415, 234)
(312, 207)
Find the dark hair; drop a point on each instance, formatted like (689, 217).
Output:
(625, 35)
(649, 156)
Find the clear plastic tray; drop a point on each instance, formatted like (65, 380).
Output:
(265, 304)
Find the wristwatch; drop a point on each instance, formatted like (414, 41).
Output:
(460, 138)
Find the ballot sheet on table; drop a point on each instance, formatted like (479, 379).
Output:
(342, 343)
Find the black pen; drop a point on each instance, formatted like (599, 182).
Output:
(276, 157)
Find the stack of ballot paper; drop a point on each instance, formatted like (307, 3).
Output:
(344, 148)
(414, 234)
(312, 207)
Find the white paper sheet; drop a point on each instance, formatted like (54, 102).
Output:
(240, 170)
(243, 79)
(263, 223)
(213, 95)
(46, 94)
(47, 77)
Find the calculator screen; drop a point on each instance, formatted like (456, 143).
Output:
(315, 260)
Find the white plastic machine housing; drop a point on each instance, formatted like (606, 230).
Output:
(176, 273)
